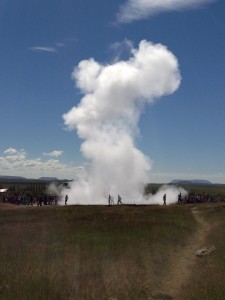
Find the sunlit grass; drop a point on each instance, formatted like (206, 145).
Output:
(88, 252)
(207, 280)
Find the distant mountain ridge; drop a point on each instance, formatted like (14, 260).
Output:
(12, 177)
(24, 179)
(191, 181)
(48, 178)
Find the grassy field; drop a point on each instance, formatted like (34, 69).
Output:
(208, 277)
(100, 252)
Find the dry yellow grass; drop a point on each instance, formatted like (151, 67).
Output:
(97, 252)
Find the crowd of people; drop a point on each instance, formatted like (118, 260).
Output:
(199, 198)
(29, 199)
(195, 198)
(47, 199)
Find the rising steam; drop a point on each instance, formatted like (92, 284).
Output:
(106, 119)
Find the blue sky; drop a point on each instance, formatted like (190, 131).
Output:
(43, 41)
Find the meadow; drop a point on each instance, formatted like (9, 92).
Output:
(207, 280)
(101, 252)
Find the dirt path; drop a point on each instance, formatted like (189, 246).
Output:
(183, 262)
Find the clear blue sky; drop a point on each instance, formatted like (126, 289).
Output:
(42, 42)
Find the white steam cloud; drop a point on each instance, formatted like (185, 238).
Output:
(171, 192)
(106, 120)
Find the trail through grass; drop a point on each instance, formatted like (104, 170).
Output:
(100, 252)
(207, 277)
(183, 262)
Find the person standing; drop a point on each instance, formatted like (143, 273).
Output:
(164, 199)
(66, 199)
(119, 201)
(109, 199)
(179, 198)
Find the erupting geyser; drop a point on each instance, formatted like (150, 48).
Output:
(106, 119)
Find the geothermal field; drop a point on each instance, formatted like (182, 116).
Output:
(112, 126)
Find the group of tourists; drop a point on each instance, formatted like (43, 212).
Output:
(200, 198)
(29, 199)
(193, 199)
(47, 199)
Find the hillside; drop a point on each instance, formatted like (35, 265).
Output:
(192, 181)
(20, 179)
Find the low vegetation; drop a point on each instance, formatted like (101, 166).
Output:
(88, 252)
(111, 253)
(207, 280)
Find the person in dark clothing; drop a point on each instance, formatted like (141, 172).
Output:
(164, 199)
(119, 199)
(179, 198)
(109, 200)
(66, 199)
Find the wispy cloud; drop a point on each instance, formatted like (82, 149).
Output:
(15, 162)
(60, 45)
(141, 9)
(44, 49)
(53, 47)
(54, 153)
(120, 49)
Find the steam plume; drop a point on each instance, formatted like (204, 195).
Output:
(106, 119)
